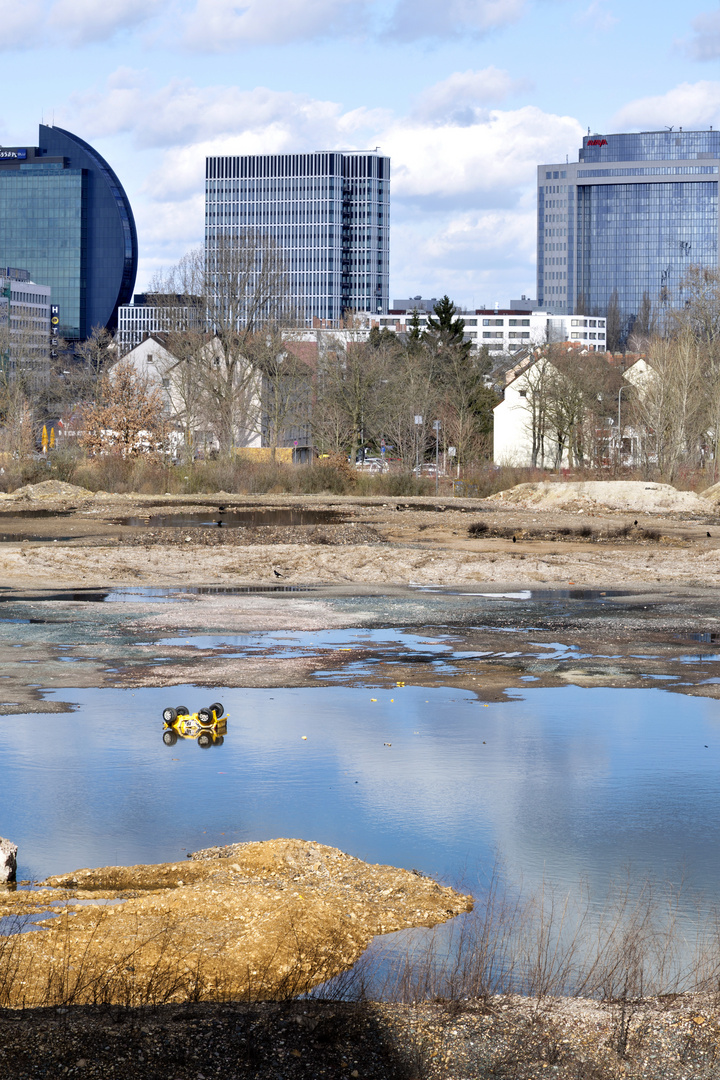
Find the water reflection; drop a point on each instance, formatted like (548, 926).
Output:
(565, 784)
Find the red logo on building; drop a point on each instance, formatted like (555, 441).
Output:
(597, 142)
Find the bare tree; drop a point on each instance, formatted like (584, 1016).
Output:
(241, 285)
(670, 404)
(351, 389)
(127, 417)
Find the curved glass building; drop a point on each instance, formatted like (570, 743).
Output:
(631, 216)
(65, 218)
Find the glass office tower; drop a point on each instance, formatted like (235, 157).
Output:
(328, 213)
(65, 218)
(632, 215)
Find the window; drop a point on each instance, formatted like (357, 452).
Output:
(575, 336)
(491, 334)
(493, 322)
(592, 322)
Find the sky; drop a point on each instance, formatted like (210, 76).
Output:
(467, 97)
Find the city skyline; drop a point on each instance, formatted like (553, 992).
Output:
(465, 103)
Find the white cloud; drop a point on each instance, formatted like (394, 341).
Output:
(705, 43)
(463, 197)
(687, 105)
(461, 98)
(492, 159)
(19, 23)
(227, 25)
(413, 20)
(78, 22)
(83, 21)
(598, 16)
(221, 25)
(185, 115)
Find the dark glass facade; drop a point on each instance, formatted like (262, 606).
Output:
(65, 217)
(328, 213)
(634, 226)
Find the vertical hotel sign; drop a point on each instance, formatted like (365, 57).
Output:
(54, 327)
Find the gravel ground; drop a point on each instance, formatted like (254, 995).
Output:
(502, 1039)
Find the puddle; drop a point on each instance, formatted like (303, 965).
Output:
(24, 514)
(559, 783)
(527, 594)
(234, 519)
(147, 594)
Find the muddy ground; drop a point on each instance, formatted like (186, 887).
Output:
(92, 541)
(593, 598)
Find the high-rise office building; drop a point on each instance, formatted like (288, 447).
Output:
(327, 213)
(630, 216)
(65, 218)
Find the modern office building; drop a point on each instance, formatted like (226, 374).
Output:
(65, 218)
(25, 312)
(328, 214)
(630, 216)
(156, 313)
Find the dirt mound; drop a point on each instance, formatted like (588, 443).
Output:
(252, 921)
(51, 489)
(633, 496)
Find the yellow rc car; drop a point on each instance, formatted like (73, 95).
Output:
(208, 726)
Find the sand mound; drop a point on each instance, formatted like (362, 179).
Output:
(50, 489)
(634, 496)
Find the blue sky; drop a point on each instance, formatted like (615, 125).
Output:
(466, 97)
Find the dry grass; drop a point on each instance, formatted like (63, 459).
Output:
(549, 945)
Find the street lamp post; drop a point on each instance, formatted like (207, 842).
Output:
(418, 422)
(618, 424)
(436, 425)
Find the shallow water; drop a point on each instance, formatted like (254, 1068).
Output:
(233, 519)
(562, 784)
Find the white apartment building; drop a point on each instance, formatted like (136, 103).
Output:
(508, 330)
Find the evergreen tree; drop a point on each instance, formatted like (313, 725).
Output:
(447, 328)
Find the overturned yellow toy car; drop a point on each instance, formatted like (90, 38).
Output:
(207, 726)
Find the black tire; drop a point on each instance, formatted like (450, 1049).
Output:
(218, 709)
(204, 740)
(205, 717)
(169, 715)
(182, 710)
(170, 737)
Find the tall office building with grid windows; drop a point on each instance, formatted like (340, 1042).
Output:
(328, 214)
(630, 216)
(65, 218)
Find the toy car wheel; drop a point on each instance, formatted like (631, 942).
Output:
(169, 716)
(217, 708)
(205, 716)
(182, 710)
(219, 740)
(204, 739)
(170, 738)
